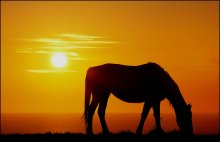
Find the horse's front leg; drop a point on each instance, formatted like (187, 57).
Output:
(144, 114)
(156, 109)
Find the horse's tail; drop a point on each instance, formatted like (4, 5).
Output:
(88, 92)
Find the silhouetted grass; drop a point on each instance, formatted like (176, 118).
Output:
(123, 136)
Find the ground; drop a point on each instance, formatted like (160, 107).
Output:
(116, 137)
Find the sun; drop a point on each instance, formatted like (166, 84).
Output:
(59, 60)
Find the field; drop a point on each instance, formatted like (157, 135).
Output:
(173, 136)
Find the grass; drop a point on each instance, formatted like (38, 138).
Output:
(123, 136)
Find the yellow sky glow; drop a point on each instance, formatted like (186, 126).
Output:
(181, 36)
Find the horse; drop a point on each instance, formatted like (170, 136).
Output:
(147, 83)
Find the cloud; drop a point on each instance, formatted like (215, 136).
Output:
(50, 71)
(52, 41)
(48, 40)
(69, 41)
(67, 44)
(78, 36)
(77, 58)
(68, 47)
(46, 52)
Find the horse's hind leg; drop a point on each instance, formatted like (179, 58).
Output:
(156, 109)
(92, 109)
(144, 114)
(101, 112)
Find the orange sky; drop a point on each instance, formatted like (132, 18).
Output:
(183, 37)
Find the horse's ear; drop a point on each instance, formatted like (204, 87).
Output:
(189, 105)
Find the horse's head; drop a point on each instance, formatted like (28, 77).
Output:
(184, 120)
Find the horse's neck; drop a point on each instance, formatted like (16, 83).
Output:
(176, 99)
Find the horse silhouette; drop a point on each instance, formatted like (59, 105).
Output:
(148, 83)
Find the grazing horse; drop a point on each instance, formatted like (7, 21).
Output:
(148, 83)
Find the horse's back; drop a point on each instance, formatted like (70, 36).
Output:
(125, 68)
(120, 70)
(116, 73)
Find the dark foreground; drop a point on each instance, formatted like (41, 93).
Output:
(118, 137)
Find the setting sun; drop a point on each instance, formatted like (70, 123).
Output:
(59, 60)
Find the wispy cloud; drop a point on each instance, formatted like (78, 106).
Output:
(71, 47)
(69, 41)
(45, 52)
(50, 71)
(66, 43)
(77, 58)
(78, 36)
(68, 38)
(52, 41)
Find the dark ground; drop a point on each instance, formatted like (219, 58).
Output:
(116, 137)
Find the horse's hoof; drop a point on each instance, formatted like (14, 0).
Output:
(106, 133)
(138, 133)
(159, 132)
(90, 133)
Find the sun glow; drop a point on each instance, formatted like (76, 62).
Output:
(59, 60)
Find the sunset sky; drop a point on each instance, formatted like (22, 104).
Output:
(181, 36)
